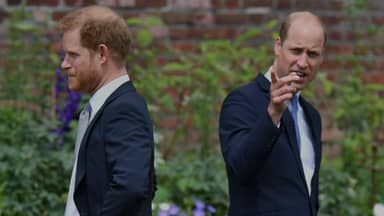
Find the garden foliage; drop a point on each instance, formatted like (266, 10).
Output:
(34, 172)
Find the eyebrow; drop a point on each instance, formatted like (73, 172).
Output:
(303, 48)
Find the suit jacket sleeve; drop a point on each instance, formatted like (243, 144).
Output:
(129, 152)
(247, 134)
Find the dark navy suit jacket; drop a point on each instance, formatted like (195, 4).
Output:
(263, 165)
(115, 171)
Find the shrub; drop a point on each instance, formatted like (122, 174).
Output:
(187, 177)
(34, 172)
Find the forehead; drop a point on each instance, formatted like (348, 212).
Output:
(71, 39)
(303, 34)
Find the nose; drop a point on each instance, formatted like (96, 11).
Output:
(302, 61)
(65, 64)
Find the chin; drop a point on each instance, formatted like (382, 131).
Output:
(73, 87)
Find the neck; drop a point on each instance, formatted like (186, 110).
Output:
(110, 74)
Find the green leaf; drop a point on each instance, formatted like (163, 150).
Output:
(24, 26)
(249, 34)
(153, 21)
(135, 21)
(375, 87)
(272, 24)
(174, 66)
(144, 37)
(54, 58)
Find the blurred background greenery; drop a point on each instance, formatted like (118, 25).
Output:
(38, 120)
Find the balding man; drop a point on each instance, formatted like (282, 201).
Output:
(113, 171)
(270, 135)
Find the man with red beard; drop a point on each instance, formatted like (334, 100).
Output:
(113, 171)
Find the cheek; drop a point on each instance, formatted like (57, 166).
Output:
(80, 67)
(314, 65)
(290, 59)
(312, 74)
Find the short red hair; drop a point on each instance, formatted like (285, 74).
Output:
(100, 25)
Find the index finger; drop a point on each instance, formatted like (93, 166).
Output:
(274, 76)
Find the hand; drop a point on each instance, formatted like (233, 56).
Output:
(281, 91)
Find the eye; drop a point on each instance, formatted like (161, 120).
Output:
(296, 51)
(72, 54)
(312, 54)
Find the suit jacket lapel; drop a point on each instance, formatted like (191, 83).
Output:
(81, 160)
(289, 125)
(81, 163)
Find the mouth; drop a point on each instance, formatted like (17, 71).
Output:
(300, 74)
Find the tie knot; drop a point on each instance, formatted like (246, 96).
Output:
(87, 108)
(86, 112)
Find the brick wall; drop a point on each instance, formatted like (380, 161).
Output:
(190, 21)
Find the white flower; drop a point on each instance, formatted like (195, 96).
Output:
(378, 209)
(164, 206)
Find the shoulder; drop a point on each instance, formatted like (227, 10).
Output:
(126, 99)
(255, 91)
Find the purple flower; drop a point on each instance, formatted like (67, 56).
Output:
(66, 104)
(199, 204)
(211, 209)
(173, 209)
(198, 212)
(200, 209)
(162, 213)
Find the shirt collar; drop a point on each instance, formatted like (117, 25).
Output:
(101, 95)
(268, 74)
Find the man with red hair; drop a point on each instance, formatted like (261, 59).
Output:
(113, 172)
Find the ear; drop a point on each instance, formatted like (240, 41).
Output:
(102, 53)
(277, 47)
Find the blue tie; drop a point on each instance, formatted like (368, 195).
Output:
(294, 111)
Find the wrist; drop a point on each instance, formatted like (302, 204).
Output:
(274, 114)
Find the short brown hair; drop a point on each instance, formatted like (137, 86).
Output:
(100, 25)
(286, 24)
